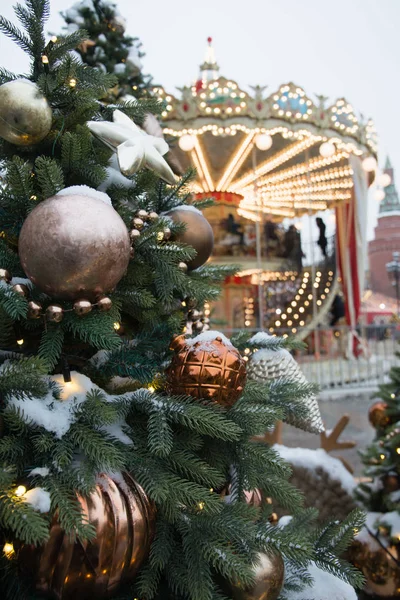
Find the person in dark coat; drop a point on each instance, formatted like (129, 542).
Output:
(322, 241)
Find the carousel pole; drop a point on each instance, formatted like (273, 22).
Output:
(258, 244)
(314, 291)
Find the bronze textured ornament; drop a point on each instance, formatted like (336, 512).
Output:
(380, 565)
(378, 416)
(74, 246)
(269, 577)
(64, 569)
(25, 114)
(207, 367)
(198, 233)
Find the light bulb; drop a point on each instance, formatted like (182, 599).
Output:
(384, 179)
(263, 141)
(369, 164)
(20, 491)
(117, 326)
(379, 195)
(53, 39)
(20, 342)
(187, 142)
(8, 549)
(327, 149)
(151, 389)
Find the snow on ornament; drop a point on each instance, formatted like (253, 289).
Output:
(135, 149)
(270, 365)
(75, 245)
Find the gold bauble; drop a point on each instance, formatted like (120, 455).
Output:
(65, 569)
(74, 246)
(21, 289)
(54, 313)
(5, 275)
(104, 304)
(380, 566)
(34, 310)
(207, 371)
(25, 115)
(269, 576)
(198, 233)
(82, 307)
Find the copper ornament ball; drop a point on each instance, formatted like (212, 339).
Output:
(380, 566)
(74, 246)
(213, 371)
(391, 483)
(198, 234)
(25, 114)
(65, 569)
(377, 415)
(269, 578)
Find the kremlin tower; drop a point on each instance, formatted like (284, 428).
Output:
(387, 238)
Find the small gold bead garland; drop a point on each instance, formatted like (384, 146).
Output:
(139, 222)
(54, 312)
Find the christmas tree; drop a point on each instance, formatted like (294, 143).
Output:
(379, 542)
(129, 467)
(107, 46)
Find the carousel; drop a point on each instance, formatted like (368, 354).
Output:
(266, 159)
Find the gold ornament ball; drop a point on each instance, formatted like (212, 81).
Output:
(134, 234)
(5, 275)
(377, 415)
(25, 114)
(74, 246)
(380, 566)
(269, 577)
(67, 569)
(183, 267)
(143, 214)
(153, 216)
(198, 233)
(104, 304)
(82, 307)
(34, 310)
(21, 289)
(138, 223)
(54, 313)
(207, 371)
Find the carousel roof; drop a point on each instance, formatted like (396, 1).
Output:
(219, 126)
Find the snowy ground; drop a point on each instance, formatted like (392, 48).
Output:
(333, 405)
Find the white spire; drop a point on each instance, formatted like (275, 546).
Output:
(209, 69)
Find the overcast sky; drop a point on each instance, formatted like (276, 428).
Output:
(338, 48)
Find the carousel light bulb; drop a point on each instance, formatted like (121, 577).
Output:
(384, 179)
(379, 195)
(327, 149)
(187, 142)
(369, 164)
(263, 141)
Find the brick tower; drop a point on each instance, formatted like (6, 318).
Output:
(387, 237)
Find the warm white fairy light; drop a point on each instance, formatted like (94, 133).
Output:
(236, 162)
(203, 165)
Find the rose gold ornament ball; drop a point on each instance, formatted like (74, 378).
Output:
(198, 233)
(74, 246)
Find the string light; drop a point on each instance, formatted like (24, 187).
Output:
(20, 342)
(72, 82)
(45, 59)
(20, 491)
(53, 39)
(117, 326)
(8, 550)
(200, 505)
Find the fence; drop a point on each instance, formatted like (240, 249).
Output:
(337, 368)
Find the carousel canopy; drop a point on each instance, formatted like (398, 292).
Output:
(283, 154)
